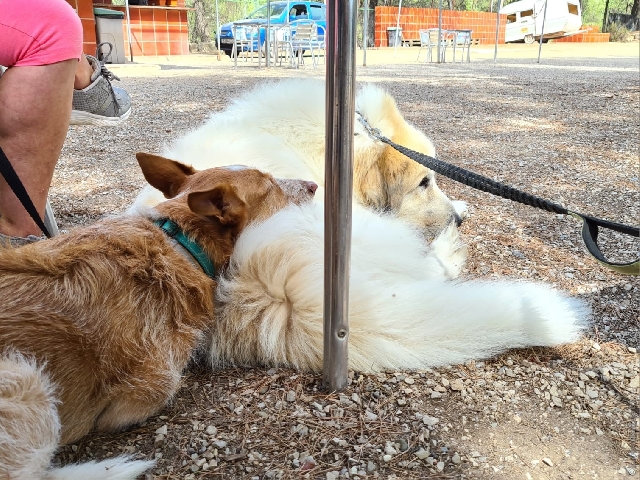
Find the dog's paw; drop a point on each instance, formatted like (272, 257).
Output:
(461, 208)
(450, 251)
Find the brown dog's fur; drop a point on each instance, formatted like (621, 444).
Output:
(113, 311)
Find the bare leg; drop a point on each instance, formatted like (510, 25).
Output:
(36, 107)
(84, 70)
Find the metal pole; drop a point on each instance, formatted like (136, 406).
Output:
(218, 29)
(395, 44)
(495, 52)
(340, 106)
(267, 43)
(542, 32)
(440, 32)
(126, 5)
(365, 35)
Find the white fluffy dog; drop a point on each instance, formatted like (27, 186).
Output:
(405, 312)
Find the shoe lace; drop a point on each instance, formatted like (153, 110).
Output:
(101, 58)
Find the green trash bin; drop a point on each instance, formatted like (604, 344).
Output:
(394, 35)
(109, 28)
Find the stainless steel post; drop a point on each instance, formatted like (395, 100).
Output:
(218, 30)
(267, 33)
(440, 33)
(340, 105)
(365, 32)
(395, 43)
(129, 39)
(542, 32)
(495, 51)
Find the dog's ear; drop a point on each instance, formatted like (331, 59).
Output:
(164, 174)
(221, 202)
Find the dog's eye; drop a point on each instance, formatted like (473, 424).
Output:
(425, 182)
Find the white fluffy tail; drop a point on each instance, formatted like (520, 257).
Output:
(30, 429)
(119, 468)
(403, 311)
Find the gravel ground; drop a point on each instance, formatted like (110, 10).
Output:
(568, 131)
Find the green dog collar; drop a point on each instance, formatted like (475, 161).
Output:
(172, 229)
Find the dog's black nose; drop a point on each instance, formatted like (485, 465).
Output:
(458, 219)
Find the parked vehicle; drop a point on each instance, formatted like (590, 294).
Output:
(281, 14)
(524, 19)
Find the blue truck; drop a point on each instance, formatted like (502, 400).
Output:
(281, 14)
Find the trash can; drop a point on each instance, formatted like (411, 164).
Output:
(109, 29)
(394, 35)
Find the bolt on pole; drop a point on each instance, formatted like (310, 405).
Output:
(340, 107)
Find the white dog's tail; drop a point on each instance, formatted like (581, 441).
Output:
(403, 311)
(119, 468)
(30, 429)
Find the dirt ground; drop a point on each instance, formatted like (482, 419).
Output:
(568, 130)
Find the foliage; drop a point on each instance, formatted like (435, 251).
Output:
(618, 33)
(228, 11)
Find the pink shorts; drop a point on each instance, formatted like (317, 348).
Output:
(38, 32)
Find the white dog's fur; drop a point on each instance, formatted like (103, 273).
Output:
(28, 397)
(404, 311)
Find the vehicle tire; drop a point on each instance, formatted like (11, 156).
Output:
(528, 39)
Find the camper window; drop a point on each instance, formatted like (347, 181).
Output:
(511, 18)
(573, 9)
(526, 13)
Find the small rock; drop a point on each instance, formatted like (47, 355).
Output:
(429, 421)
(422, 454)
(291, 396)
(332, 475)
(517, 419)
(409, 380)
(370, 416)
(631, 471)
(371, 466)
(219, 444)
(592, 393)
(158, 441)
(162, 430)
(387, 458)
(440, 466)
(635, 382)
(436, 395)
(457, 385)
(211, 430)
(455, 459)
(547, 461)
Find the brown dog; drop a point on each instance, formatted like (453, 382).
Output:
(110, 314)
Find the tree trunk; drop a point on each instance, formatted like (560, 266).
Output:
(200, 24)
(635, 9)
(605, 19)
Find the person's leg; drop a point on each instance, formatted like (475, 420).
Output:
(36, 107)
(42, 52)
(84, 70)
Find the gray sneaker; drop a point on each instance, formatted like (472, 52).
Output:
(100, 103)
(8, 242)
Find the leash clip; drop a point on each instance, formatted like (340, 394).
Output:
(374, 133)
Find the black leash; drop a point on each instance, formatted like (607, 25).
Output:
(12, 179)
(590, 225)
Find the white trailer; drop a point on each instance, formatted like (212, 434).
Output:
(524, 19)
